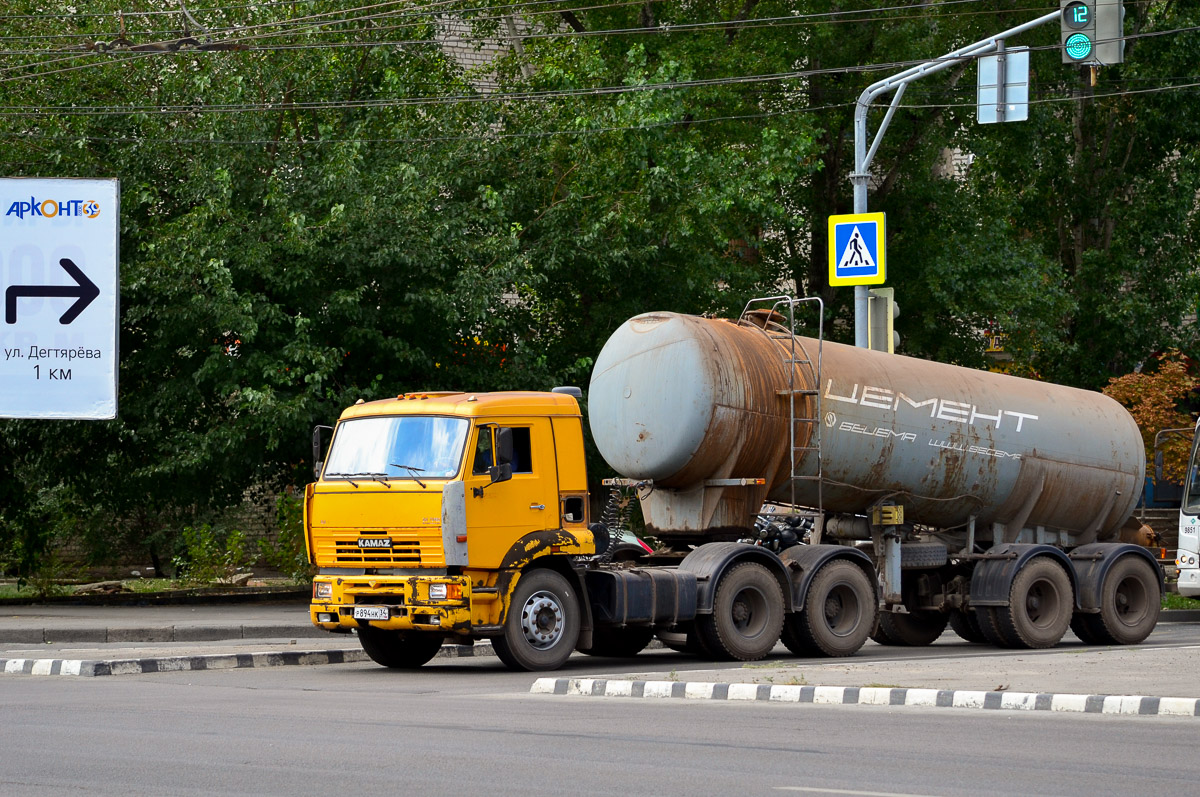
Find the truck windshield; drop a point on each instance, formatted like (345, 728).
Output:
(427, 447)
(1191, 494)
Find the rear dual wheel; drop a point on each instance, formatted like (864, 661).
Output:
(839, 613)
(747, 615)
(1130, 600)
(1040, 604)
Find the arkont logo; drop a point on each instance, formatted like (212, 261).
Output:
(50, 208)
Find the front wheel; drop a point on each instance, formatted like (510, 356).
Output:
(542, 626)
(839, 612)
(398, 650)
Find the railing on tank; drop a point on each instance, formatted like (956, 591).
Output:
(777, 309)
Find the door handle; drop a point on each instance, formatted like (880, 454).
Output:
(537, 506)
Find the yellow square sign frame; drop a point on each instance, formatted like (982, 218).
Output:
(858, 249)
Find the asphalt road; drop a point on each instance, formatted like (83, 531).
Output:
(471, 727)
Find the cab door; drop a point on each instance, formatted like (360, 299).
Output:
(501, 513)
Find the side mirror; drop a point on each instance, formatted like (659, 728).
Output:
(504, 449)
(1158, 466)
(500, 473)
(319, 448)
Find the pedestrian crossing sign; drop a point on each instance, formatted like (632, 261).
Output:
(857, 249)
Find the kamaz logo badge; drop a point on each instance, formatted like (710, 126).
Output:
(375, 542)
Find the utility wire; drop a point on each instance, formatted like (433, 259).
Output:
(542, 95)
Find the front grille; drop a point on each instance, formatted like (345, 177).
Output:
(401, 552)
(419, 547)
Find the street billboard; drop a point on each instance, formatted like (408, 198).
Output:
(60, 279)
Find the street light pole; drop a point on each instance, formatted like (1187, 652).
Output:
(863, 157)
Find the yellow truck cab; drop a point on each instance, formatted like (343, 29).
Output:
(436, 514)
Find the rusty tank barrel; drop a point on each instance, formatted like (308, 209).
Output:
(693, 403)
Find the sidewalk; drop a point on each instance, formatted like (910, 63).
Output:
(58, 623)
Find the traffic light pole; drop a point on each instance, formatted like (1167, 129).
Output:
(863, 156)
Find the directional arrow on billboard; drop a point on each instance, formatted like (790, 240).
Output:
(84, 292)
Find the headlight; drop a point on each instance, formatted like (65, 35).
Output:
(437, 592)
(322, 590)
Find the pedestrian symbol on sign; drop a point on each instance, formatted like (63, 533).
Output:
(856, 249)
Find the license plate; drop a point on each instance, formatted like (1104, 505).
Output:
(372, 613)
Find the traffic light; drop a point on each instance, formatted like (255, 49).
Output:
(1078, 27)
(1110, 31)
(882, 312)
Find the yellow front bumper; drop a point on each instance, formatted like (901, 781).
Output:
(392, 603)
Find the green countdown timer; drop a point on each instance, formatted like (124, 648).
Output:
(1078, 46)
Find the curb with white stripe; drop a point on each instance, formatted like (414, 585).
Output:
(873, 696)
(214, 661)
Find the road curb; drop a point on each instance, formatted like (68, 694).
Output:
(213, 661)
(1132, 705)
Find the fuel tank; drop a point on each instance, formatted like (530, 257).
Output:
(692, 403)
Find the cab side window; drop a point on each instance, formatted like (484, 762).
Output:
(485, 457)
(522, 450)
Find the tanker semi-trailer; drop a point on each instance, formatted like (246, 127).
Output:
(800, 490)
(987, 501)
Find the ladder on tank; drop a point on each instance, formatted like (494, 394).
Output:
(779, 309)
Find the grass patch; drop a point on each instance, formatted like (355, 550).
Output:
(1173, 600)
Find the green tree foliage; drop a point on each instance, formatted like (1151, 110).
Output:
(321, 204)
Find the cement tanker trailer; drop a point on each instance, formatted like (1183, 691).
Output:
(881, 495)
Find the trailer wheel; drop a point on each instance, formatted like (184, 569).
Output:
(1040, 606)
(1130, 600)
(839, 612)
(542, 626)
(400, 651)
(966, 625)
(915, 629)
(619, 642)
(747, 614)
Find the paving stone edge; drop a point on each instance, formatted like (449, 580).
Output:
(1136, 705)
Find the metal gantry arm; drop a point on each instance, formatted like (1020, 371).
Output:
(898, 83)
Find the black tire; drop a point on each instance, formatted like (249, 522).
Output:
(881, 636)
(542, 626)
(1041, 603)
(989, 626)
(966, 625)
(922, 555)
(1130, 600)
(915, 629)
(794, 641)
(399, 650)
(747, 614)
(839, 612)
(1083, 626)
(619, 642)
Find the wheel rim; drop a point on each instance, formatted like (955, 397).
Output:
(542, 620)
(841, 610)
(749, 612)
(1042, 603)
(1131, 601)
